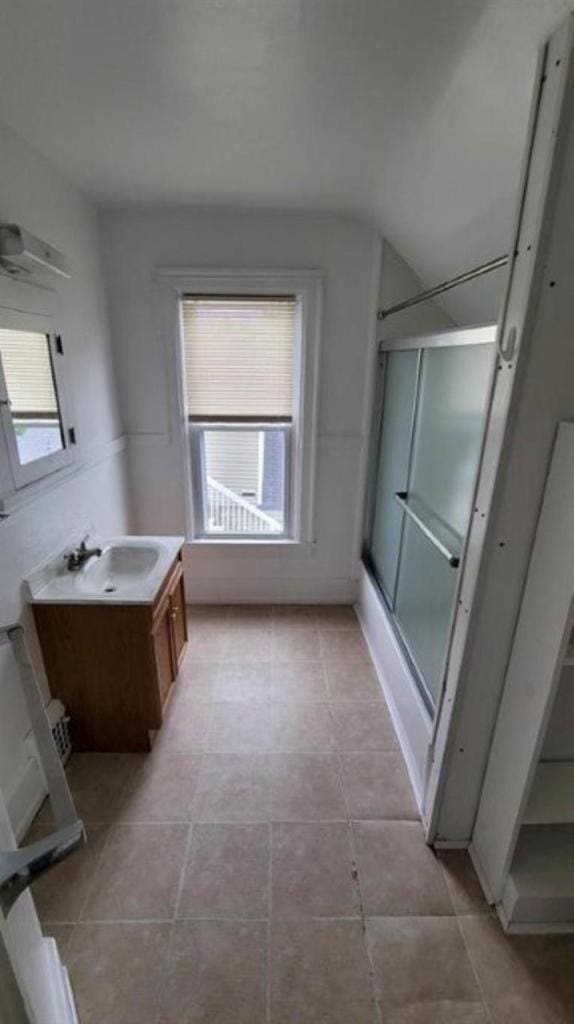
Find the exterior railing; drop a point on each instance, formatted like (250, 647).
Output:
(230, 513)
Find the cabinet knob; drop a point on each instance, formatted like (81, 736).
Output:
(174, 612)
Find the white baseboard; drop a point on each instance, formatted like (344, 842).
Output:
(480, 874)
(48, 985)
(270, 590)
(25, 797)
(448, 844)
(533, 928)
(64, 1008)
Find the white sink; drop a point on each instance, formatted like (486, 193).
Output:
(130, 570)
(118, 568)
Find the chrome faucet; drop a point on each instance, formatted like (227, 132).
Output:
(77, 558)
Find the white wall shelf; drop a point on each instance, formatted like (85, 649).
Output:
(540, 887)
(551, 798)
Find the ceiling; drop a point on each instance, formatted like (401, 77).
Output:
(410, 113)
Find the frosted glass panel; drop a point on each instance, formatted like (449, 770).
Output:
(448, 432)
(423, 607)
(416, 542)
(393, 464)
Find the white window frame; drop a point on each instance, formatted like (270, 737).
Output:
(307, 287)
(31, 472)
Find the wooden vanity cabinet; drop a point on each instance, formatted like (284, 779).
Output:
(113, 665)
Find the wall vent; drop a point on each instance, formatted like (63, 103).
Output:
(60, 726)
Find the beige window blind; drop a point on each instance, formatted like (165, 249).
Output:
(28, 373)
(238, 357)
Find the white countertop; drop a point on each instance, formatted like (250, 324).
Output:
(129, 582)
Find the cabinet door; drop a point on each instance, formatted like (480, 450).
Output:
(178, 620)
(162, 640)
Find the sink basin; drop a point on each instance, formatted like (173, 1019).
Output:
(118, 567)
(130, 570)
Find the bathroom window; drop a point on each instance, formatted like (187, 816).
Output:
(239, 360)
(242, 352)
(31, 403)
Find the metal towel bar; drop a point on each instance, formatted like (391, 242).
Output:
(452, 559)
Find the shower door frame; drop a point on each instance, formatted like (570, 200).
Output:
(456, 337)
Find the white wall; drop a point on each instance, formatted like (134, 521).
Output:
(398, 282)
(347, 252)
(34, 194)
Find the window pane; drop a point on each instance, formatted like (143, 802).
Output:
(238, 356)
(27, 367)
(244, 481)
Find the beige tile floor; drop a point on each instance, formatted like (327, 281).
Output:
(265, 864)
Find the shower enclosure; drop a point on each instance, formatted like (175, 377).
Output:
(432, 397)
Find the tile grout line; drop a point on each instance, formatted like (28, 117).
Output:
(269, 913)
(485, 1004)
(90, 887)
(168, 953)
(356, 877)
(222, 919)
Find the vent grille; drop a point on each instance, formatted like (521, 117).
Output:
(60, 726)
(61, 734)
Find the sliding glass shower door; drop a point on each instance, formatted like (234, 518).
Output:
(434, 395)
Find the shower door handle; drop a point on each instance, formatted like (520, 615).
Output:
(401, 497)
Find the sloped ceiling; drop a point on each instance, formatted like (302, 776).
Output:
(410, 113)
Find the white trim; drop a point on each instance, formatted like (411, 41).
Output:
(547, 928)
(37, 469)
(241, 542)
(196, 443)
(172, 284)
(408, 711)
(46, 974)
(24, 475)
(445, 844)
(533, 676)
(492, 575)
(261, 468)
(369, 415)
(482, 334)
(476, 863)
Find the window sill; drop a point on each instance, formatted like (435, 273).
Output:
(220, 542)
